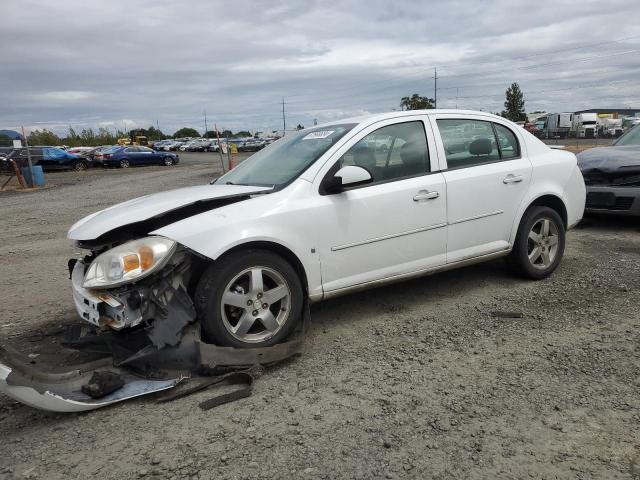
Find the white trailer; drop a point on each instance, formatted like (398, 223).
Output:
(558, 125)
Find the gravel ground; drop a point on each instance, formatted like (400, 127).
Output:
(416, 380)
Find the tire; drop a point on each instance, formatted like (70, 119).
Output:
(124, 163)
(167, 161)
(537, 254)
(242, 325)
(80, 166)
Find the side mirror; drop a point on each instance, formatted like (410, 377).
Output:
(349, 176)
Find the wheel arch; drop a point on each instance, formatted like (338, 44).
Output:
(544, 199)
(554, 202)
(278, 249)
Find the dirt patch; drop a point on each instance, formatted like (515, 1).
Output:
(416, 380)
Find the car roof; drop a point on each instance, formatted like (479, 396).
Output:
(376, 117)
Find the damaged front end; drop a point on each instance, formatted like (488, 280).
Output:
(134, 292)
(612, 179)
(148, 333)
(159, 303)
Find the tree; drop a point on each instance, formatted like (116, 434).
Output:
(72, 139)
(242, 134)
(186, 132)
(43, 137)
(514, 104)
(210, 134)
(226, 133)
(416, 102)
(5, 141)
(154, 133)
(300, 127)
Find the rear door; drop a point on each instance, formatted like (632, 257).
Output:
(132, 154)
(487, 174)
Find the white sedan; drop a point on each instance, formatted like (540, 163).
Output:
(324, 211)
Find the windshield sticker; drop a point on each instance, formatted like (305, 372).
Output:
(318, 135)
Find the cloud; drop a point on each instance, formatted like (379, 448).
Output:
(91, 63)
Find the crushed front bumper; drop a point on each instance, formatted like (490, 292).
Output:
(62, 391)
(613, 200)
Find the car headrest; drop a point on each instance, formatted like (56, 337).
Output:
(412, 153)
(480, 146)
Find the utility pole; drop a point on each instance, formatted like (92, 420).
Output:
(284, 120)
(435, 87)
(456, 98)
(205, 122)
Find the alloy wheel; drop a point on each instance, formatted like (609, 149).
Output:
(542, 244)
(168, 161)
(255, 304)
(124, 163)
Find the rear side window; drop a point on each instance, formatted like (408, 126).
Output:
(392, 152)
(474, 142)
(507, 142)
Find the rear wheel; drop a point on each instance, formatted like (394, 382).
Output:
(80, 165)
(124, 163)
(251, 298)
(539, 244)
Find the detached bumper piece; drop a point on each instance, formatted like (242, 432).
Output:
(76, 389)
(136, 367)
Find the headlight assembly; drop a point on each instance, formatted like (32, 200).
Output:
(128, 262)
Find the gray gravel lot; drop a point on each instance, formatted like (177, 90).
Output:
(414, 380)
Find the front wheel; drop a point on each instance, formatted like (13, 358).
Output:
(251, 298)
(539, 244)
(167, 161)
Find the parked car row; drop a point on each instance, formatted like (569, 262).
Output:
(249, 144)
(81, 158)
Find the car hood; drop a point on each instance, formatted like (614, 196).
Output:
(608, 159)
(159, 209)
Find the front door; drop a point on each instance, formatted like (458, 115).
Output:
(487, 175)
(393, 226)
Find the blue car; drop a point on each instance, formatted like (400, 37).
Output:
(125, 156)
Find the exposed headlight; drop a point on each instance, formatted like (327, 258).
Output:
(128, 262)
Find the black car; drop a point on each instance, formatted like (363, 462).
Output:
(612, 176)
(49, 158)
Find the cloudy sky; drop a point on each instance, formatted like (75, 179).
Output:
(128, 62)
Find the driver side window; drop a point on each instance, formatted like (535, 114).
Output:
(391, 153)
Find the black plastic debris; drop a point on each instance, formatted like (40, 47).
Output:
(102, 384)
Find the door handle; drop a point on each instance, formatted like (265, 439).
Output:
(511, 178)
(425, 195)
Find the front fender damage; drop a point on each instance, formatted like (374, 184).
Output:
(149, 337)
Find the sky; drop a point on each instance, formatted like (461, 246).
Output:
(137, 63)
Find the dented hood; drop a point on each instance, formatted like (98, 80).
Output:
(154, 206)
(609, 159)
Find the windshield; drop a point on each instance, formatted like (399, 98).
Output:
(282, 161)
(632, 137)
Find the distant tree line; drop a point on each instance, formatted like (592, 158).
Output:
(103, 136)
